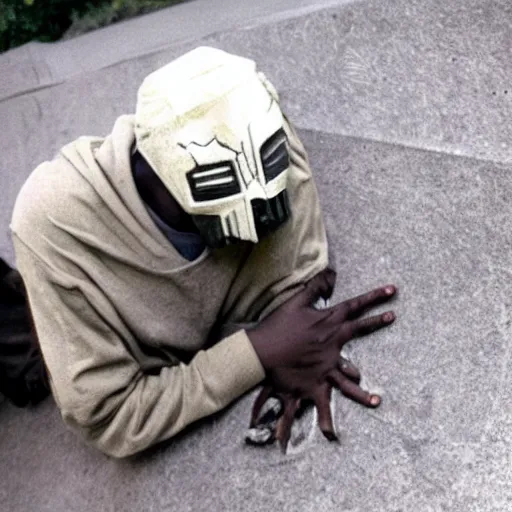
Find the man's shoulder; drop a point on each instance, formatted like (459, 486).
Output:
(55, 189)
(83, 195)
(65, 184)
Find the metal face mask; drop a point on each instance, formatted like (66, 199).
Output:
(211, 128)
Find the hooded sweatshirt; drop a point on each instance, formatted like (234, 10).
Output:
(126, 324)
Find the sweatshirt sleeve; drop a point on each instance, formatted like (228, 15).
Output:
(98, 385)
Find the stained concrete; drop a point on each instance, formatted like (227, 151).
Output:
(403, 109)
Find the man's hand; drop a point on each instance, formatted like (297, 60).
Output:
(298, 335)
(303, 360)
(290, 335)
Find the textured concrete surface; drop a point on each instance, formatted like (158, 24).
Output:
(403, 106)
(37, 66)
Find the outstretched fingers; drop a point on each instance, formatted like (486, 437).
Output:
(262, 397)
(349, 370)
(356, 306)
(322, 400)
(354, 391)
(285, 422)
(367, 325)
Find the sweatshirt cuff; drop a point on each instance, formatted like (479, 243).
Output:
(241, 365)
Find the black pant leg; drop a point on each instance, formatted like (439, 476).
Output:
(23, 377)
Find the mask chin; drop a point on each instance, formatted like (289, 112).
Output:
(268, 215)
(210, 228)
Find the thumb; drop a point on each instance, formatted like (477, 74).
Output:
(322, 285)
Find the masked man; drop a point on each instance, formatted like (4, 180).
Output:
(145, 254)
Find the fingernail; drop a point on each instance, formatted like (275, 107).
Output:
(375, 400)
(388, 317)
(389, 290)
(331, 436)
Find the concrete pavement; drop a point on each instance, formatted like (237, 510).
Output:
(404, 108)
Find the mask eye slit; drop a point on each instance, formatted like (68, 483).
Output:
(212, 172)
(215, 181)
(274, 155)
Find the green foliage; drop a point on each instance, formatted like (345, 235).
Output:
(44, 20)
(110, 12)
(22, 21)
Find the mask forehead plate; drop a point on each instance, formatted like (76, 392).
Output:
(211, 153)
